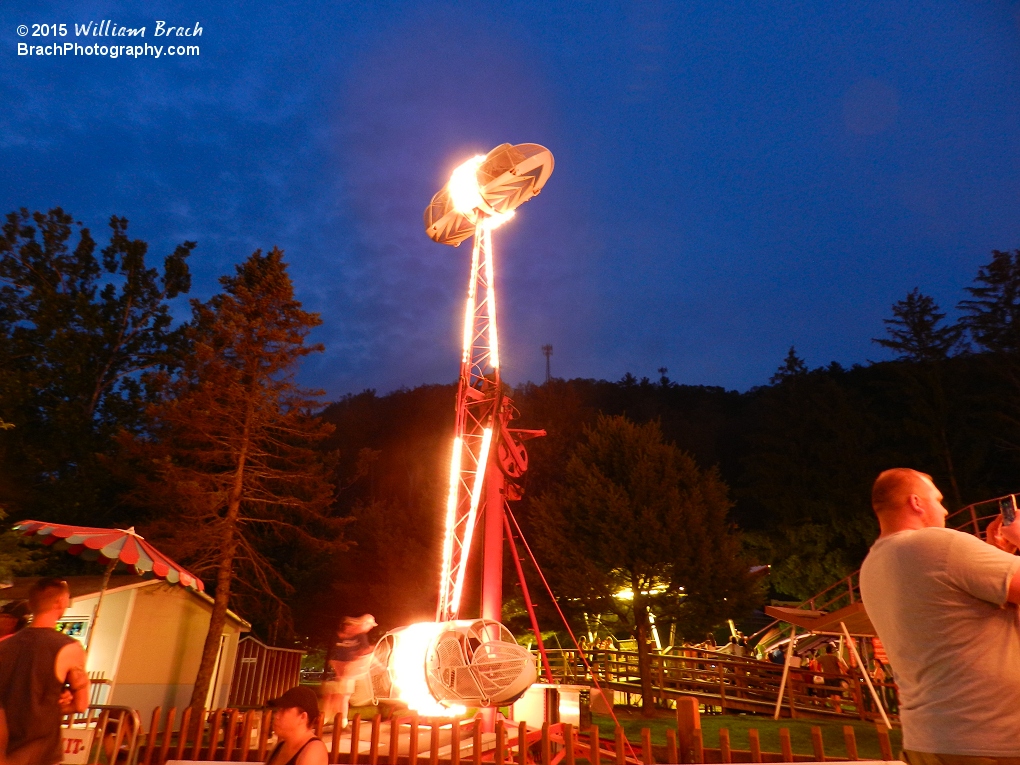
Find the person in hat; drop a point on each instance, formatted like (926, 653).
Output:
(349, 660)
(294, 716)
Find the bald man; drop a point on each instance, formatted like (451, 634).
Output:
(943, 603)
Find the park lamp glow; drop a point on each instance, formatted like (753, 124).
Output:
(627, 593)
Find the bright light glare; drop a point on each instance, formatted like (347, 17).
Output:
(407, 668)
(498, 219)
(469, 526)
(463, 187)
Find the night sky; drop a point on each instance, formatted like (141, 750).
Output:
(730, 178)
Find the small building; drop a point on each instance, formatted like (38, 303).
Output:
(147, 642)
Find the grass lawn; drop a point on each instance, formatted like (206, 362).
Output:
(768, 732)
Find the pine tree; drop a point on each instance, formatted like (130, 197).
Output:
(917, 334)
(993, 313)
(792, 366)
(233, 447)
(916, 331)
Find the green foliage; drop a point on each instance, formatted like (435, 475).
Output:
(393, 464)
(636, 527)
(15, 558)
(83, 338)
(806, 557)
(812, 455)
(635, 513)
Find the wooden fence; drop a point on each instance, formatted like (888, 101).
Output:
(727, 683)
(233, 736)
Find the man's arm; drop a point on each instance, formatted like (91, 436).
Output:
(70, 668)
(1006, 538)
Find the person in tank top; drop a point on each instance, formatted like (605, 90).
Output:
(42, 678)
(294, 716)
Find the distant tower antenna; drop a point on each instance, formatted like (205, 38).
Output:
(547, 350)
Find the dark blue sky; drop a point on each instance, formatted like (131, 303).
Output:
(730, 179)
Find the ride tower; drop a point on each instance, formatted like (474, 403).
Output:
(488, 458)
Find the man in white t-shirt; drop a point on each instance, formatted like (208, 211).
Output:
(943, 603)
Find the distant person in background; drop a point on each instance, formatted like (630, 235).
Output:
(349, 660)
(294, 716)
(830, 661)
(13, 618)
(42, 678)
(832, 664)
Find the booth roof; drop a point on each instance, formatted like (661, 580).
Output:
(89, 586)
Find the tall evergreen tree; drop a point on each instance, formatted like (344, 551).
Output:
(233, 448)
(82, 342)
(916, 331)
(637, 527)
(792, 366)
(993, 311)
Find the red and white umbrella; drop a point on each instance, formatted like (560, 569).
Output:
(122, 545)
(113, 545)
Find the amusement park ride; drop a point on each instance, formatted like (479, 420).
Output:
(441, 667)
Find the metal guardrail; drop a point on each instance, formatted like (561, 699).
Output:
(101, 734)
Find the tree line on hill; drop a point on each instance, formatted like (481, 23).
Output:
(114, 413)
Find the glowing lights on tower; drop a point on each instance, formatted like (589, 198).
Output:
(481, 195)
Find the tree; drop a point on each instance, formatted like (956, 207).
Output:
(637, 527)
(813, 449)
(82, 342)
(792, 366)
(924, 343)
(233, 447)
(993, 312)
(916, 331)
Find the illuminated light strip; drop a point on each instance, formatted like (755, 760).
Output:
(469, 311)
(451, 522)
(469, 529)
(491, 298)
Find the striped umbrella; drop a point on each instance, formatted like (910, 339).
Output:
(114, 545)
(110, 546)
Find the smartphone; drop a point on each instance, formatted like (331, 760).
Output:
(1007, 507)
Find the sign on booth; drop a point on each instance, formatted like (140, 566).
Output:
(75, 744)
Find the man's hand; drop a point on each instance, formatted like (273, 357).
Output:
(66, 702)
(1006, 538)
(70, 669)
